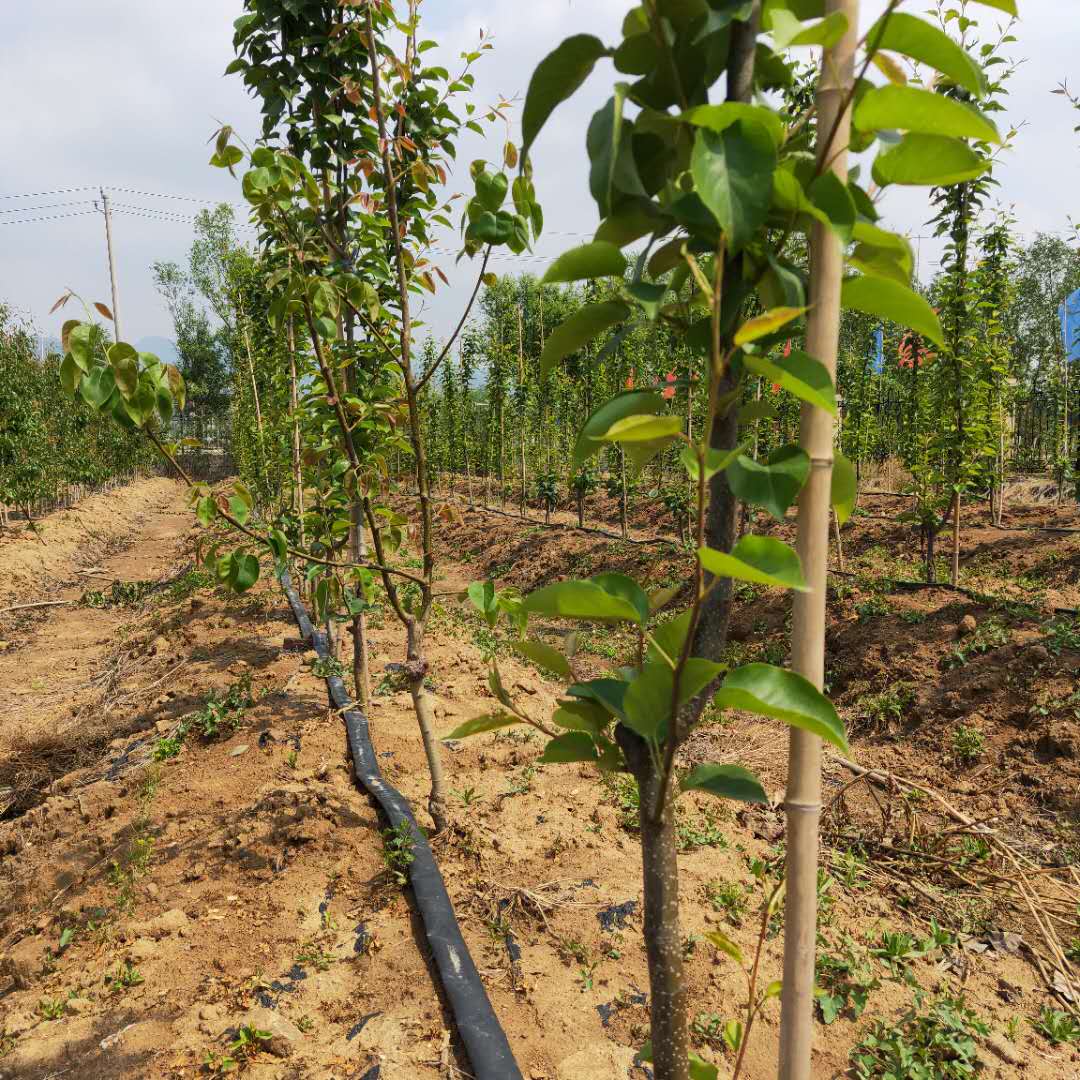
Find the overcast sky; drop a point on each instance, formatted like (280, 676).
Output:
(126, 95)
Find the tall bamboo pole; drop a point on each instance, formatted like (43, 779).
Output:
(803, 802)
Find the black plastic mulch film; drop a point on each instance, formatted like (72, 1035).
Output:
(483, 1037)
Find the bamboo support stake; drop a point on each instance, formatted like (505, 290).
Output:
(803, 800)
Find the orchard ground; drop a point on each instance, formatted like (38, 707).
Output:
(185, 855)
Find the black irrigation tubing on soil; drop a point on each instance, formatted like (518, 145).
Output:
(484, 1039)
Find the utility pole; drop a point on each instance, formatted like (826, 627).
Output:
(112, 264)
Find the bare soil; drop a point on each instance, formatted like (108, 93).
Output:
(243, 879)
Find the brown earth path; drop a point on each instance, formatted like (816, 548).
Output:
(243, 879)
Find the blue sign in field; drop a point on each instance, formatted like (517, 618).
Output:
(1069, 312)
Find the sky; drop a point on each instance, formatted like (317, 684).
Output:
(126, 96)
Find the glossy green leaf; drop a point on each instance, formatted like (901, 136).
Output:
(725, 782)
(833, 198)
(544, 656)
(1008, 6)
(579, 600)
(725, 945)
(784, 695)
(767, 323)
(577, 714)
(620, 585)
(928, 44)
(81, 345)
(70, 375)
(715, 460)
(593, 260)
(763, 560)
(579, 329)
(733, 173)
(590, 439)
(700, 1069)
(648, 699)
(720, 117)
(774, 484)
(479, 724)
(922, 160)
(633, 429)
(606, 692)
(670, 637)
(98, 387)
(888, 299)
(798, 373)
(555, 79)
(788, 31)
(909, 108)
(245, 571)
(568, 747)
(845, 487)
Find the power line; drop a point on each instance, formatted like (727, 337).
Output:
(51, 217)
(47, 206)
(42, 194)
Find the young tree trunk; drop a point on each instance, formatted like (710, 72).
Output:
(955, 573)
(623, 525)
(803, 798)
(668, 999)
(416, 671)
(581, 510)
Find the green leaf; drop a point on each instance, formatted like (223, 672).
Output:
(920, 160)
(592, 260)
(725, 945)
(845, 487)
(763, 560)
(700, 1069)
(881, 253)
(579, 329)
(888, 299)
(833, 198)
(245, 571)
(926, 43)
(800, 374)
(580, 600)
(720, 117)
(98, 387)
(555, 79)
(643, 429)
(70, 375)
(733, 173)
(908, 108)
(544, 656)
(788, 31)
(570, 746)
(648, 699)
(626, 587)
(769, 323)
(125, 368)
(1008, 6)
(206, 511)
(81, 345)
(608, 693)
(784, 695)
(775, 484)
(725, 782)
(670, 636)
(482, 595)
(612, 161)
(715, 460)
(581, 715)
(590, 439)
(491, 190)
(479, 724)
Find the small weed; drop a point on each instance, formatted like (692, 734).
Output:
(52, 1008)
(897, 950)
(989, 635)
(887, 707)
(167, 747)
(305, 1024)
(1062, 634)
(291, 759)
(871, 608)
(397, 852)
(221, 712)
(1057, 1026)
(729, 898)
(939, 1043)
(968, 743)
(522, 785)
(312, 954)
(123, 978)
(1012, 1028)
(700, 831)
(912, 617)
(119, 594)
(844, 983)
(466, 796)
(327, 666)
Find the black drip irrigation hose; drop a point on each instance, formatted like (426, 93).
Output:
(484, 1039)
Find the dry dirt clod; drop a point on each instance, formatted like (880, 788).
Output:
(24, 961)
(966, 626)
